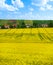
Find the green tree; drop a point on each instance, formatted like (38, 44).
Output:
(50, 23)
(35, 24)
(22, 24)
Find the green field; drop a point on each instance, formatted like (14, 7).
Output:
(31, 46)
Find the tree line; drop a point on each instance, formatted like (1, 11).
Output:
(5, 24)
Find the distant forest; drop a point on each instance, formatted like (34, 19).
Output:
(5, 24)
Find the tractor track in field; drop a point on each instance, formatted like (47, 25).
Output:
(44, 36)
(49, 34)
(26, 37)
(40, 35)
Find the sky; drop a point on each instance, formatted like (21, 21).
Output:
(26, 9)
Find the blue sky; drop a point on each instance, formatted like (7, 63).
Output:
(26, 9)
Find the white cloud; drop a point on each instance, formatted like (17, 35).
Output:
(40, 2)
(10, 8)
(16, 4)
(49, 7)
(51, 0)
(31, 9)
(42, 8)
(43, 4)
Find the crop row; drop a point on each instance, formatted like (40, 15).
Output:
(26, 35)
(27, 60)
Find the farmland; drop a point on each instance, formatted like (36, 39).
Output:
(27, 35)
(28, 46)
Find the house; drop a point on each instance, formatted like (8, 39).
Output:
(6, 26)
(28, 25)
(44, 25)
(14, 25)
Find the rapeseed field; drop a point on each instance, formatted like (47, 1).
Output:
(28, 46)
